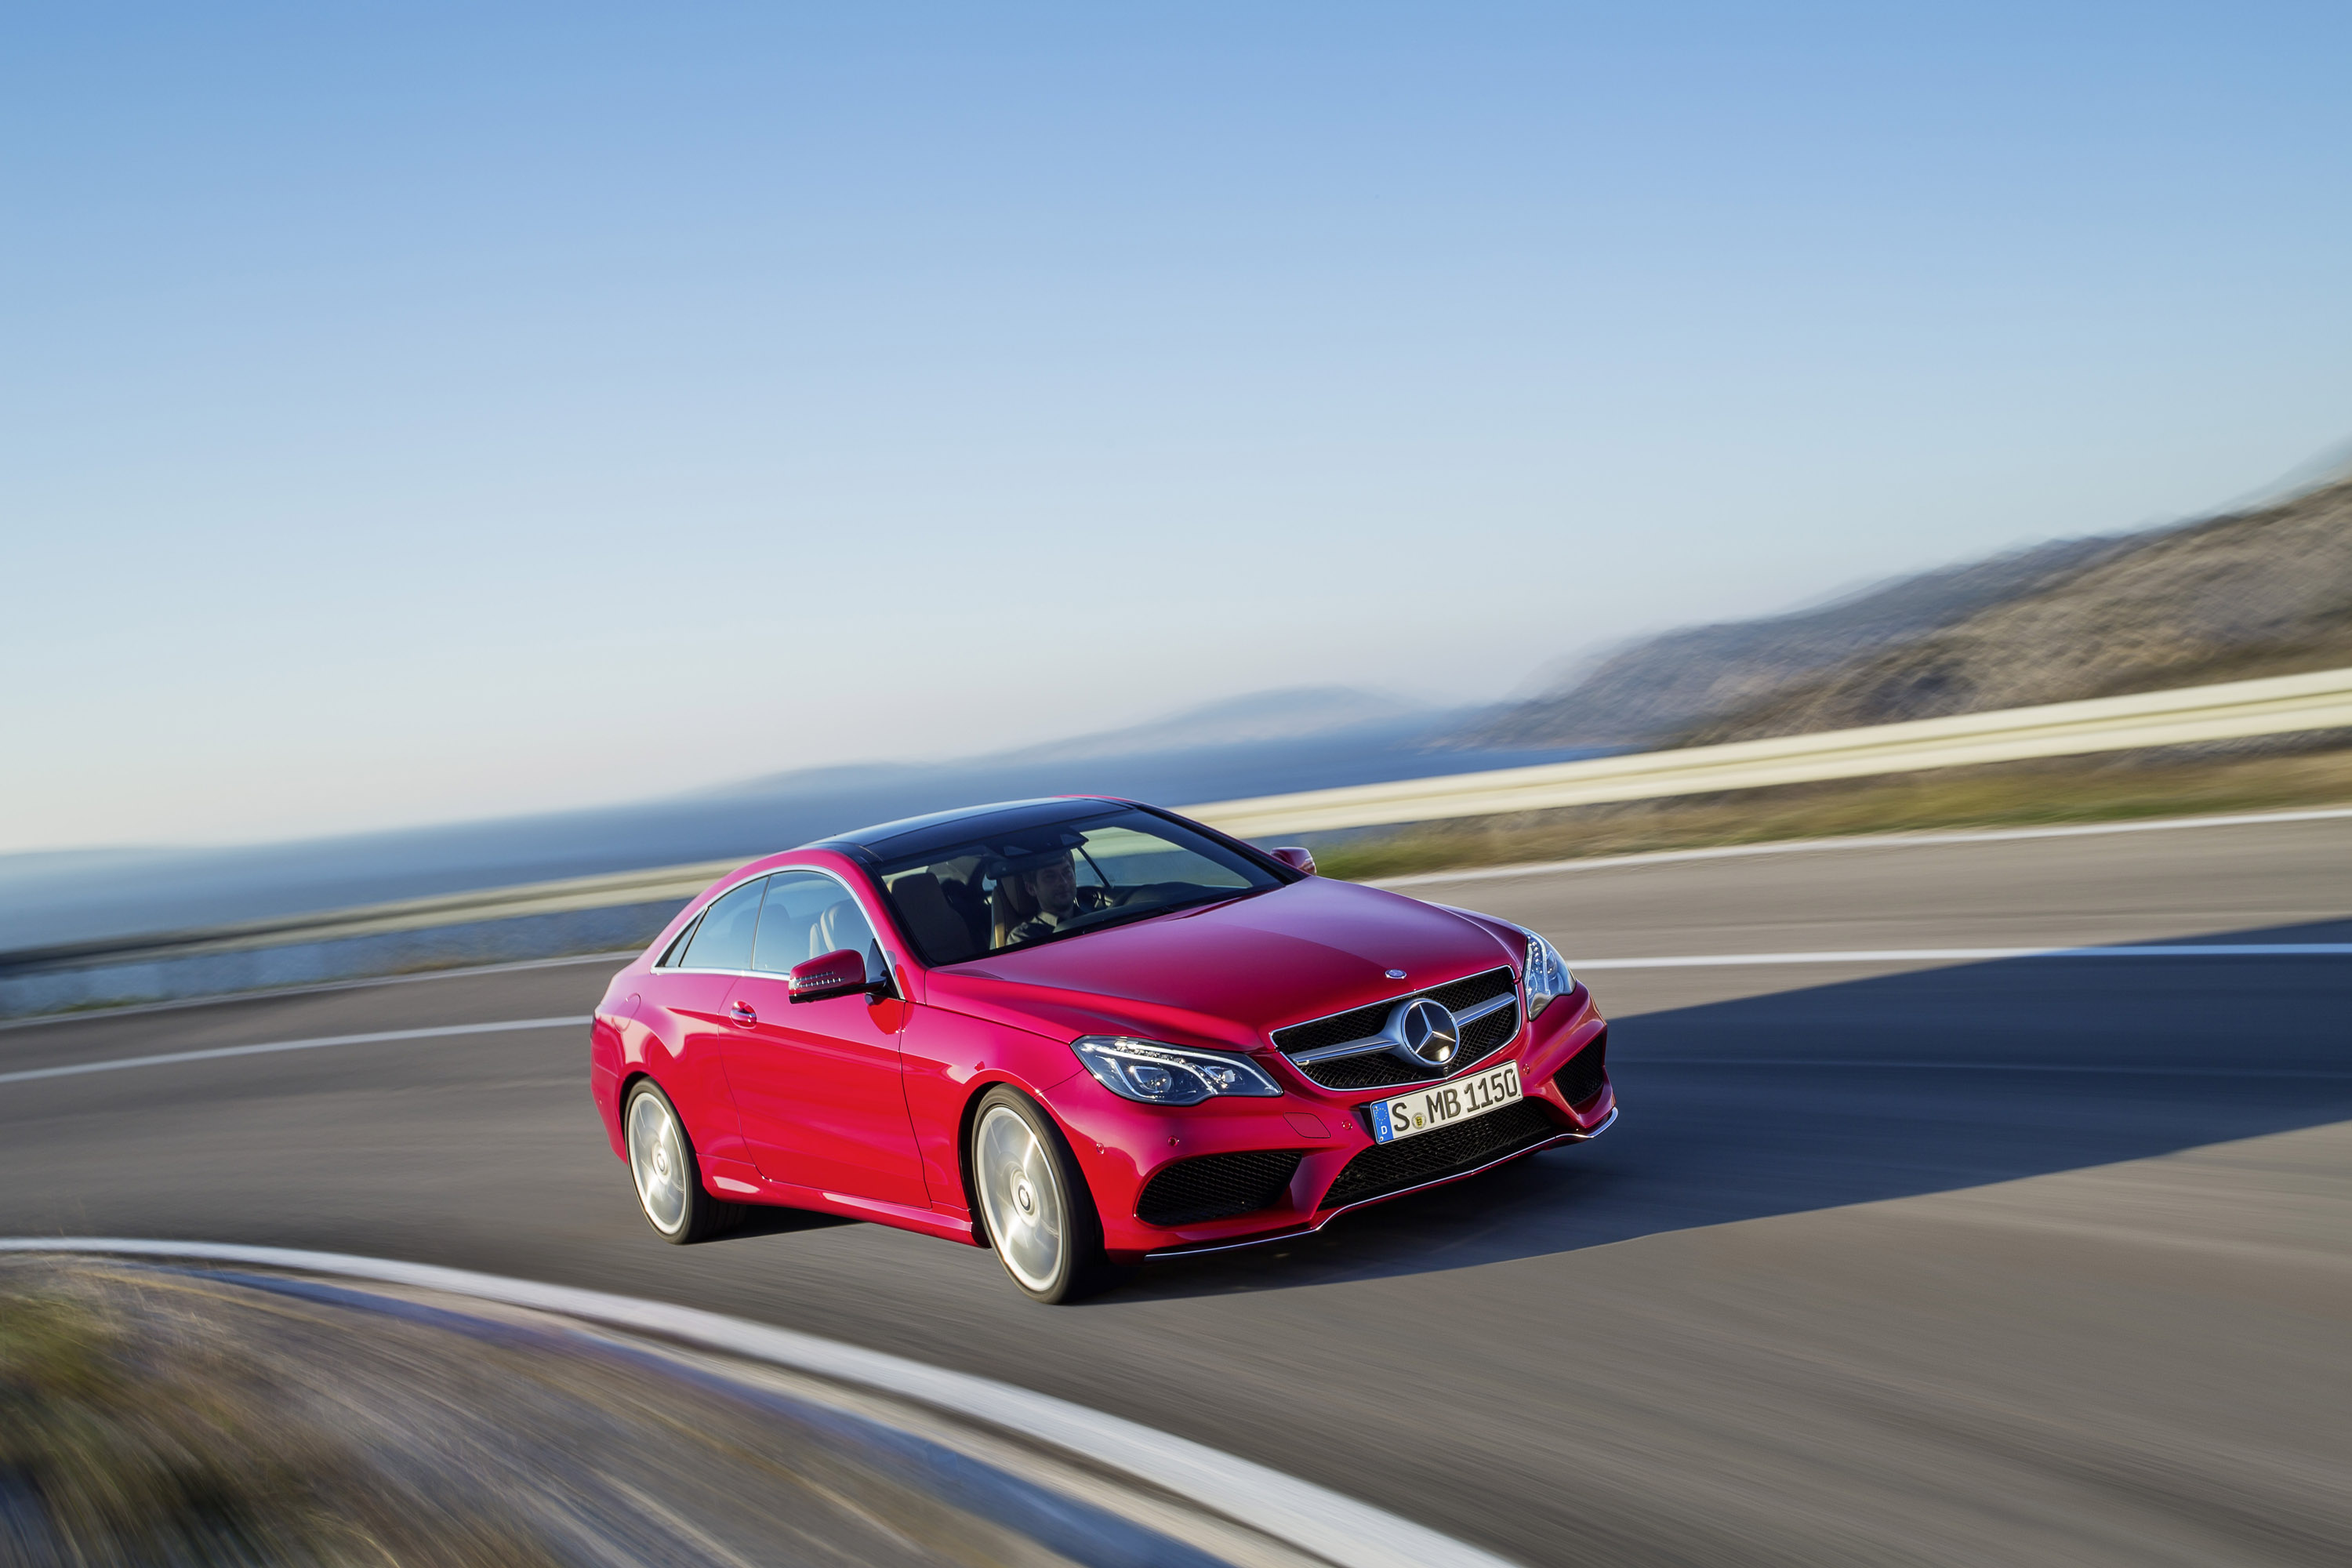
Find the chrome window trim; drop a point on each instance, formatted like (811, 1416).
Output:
(679, 943)
(723, 892)
(888, 958)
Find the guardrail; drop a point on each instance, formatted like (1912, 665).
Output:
(625, 910)
(2277, 705)
(662, 884)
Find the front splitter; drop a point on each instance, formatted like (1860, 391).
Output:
(1327, 1216)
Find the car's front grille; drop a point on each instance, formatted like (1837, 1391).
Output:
(1464, 1146)
(1489, 1035)
(1336, 1030)
(1217, 1187)
(1378, 1069)
(1586, 1072)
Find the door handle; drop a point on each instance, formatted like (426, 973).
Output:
(743, 1013)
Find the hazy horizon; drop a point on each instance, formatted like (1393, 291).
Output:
(428, 417)
(1204, 724)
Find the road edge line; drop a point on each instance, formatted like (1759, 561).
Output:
(615, 956)
(315, 1043)
(1873, 956)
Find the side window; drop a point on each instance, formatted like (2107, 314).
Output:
(723, 940)
(674, 954)
(808, 915)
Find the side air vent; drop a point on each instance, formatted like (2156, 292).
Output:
(1217, 1187)
(1586, 1073)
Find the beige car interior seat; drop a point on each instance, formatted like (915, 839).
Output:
(1009, 904)
(841, 925)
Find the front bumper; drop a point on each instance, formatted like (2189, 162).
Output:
(1330, 1211)
(1122, 1145)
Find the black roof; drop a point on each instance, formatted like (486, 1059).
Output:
(919, 835)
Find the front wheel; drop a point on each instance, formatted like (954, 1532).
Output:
(1034, 1199)
(667, 1176)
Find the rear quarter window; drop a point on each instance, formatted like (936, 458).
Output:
(723, 938)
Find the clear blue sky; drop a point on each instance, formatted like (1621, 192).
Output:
(409, 414)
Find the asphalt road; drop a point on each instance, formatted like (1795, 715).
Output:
(2029, 1261)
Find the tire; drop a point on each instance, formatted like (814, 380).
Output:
(1032, 1200)
(667, 1176)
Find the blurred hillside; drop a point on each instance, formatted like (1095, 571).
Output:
(2263, 593)
(2266, 591)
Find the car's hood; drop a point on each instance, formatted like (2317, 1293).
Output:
(1227, 973)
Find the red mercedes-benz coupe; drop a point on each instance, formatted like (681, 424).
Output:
(1083, 1032)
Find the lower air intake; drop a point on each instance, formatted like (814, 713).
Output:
(1586, 1073)
(1430, 1156)
(1217, 1187)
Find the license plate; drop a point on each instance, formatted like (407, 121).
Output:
(1442, 1105)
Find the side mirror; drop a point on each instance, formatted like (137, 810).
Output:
(841, 973)
(1297, 858)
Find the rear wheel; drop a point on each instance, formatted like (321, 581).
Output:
(1034, 1199)
(667, 1176)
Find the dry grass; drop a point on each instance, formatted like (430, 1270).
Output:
(152, 1415)
(2064, 790)
(135, 1431)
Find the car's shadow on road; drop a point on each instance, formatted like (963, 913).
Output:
(765, 1219)
(1879, 1087)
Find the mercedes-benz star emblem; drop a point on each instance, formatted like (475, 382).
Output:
(1424, 1032)
(1396, 974)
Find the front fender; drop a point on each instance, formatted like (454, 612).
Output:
(947, 1060)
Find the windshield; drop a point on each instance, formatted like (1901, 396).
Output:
(1018, 887)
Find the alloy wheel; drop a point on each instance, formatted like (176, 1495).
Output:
(1022, 1195)
(657, 1163)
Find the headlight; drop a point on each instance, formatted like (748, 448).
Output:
(1547, 976)
(1169, 1075)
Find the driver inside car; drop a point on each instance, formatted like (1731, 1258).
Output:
(1060, 900)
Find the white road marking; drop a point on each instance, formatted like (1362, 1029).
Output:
(1865, 956)
(1976, 954)
(271, 992)
(379, 1037)
(1488, 873)
(1349, 1533)
(1875, 1064)
(1862, 841)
